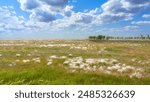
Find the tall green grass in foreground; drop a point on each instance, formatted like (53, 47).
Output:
(60, 76)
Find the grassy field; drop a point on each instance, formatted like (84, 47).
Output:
(74, 62)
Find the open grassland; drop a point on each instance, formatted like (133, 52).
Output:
(74, 62)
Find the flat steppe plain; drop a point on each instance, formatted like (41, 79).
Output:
(74, 62)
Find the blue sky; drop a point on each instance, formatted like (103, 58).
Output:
(77, 19)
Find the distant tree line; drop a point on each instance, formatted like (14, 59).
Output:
(102, 37)
(99, 37)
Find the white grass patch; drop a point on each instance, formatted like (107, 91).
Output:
(18, 55)
(26, 61)
(104, 65)
(136, 75)
(29, 55)
(17, 60)
(49, 61)
(79, 47)
(70, 55)
(55, 45)
(12, 64)
(101, 51)
(36, 60)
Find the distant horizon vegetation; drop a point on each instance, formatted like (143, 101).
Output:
(91, 37)
(103, 37)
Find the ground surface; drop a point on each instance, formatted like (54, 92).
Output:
(74, 62)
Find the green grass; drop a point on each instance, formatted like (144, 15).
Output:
(59, 74)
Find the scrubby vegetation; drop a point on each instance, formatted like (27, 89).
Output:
(103, 37)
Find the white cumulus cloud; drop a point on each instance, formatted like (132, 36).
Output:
(141, 22)
(9, 21)
(44, 10)
(146, 16)
(120, 10)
